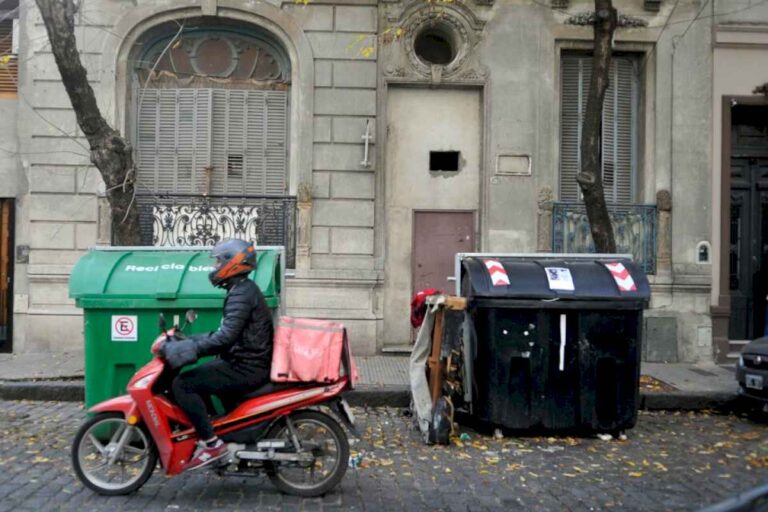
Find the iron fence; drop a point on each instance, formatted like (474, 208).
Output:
(634, 227)
(191, 220)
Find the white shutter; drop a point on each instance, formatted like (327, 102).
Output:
(202, 155)
(219, 135)
(619, 132)
(625, 76)
(277, 107)
(147, 141)
(240, 134)
(172, 139)
(166, 141)
(255, 161)
(575, 75)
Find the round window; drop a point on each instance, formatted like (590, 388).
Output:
(436, 45)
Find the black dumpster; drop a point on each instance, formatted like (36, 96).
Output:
(557, 341)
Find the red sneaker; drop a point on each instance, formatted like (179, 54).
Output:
(205, 455)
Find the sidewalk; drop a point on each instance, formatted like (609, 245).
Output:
(383, 382)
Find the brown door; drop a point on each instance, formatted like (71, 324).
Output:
(6, 281)
(437, 237)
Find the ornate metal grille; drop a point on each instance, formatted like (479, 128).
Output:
(633, 225)
(170, 220)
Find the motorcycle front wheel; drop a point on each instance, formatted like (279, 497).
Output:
(111, 457)
(321, 435)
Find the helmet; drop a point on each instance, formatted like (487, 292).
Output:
(233, 258)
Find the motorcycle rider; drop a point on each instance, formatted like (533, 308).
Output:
(243, 343)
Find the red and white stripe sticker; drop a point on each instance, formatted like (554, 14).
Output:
(622, 277)
(496, 270)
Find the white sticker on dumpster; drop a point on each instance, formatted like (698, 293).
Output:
(125, 328)
(559, 278)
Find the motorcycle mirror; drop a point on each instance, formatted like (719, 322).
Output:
(161, 322)
(190, 316)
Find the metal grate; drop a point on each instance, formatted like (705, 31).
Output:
(192, 220)
(634, 227)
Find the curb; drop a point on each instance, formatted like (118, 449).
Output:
(689, 401)
(47, 390)
(373, 396)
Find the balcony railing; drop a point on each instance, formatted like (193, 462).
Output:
(634, 227)
(168, 220)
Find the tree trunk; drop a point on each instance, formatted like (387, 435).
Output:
(590, 178)
(110, 152)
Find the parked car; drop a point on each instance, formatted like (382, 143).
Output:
(752, 372)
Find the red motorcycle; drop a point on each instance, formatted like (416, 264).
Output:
(290, 431)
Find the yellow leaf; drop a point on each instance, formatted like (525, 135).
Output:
(635, 474)
(386, 462)
(569, 475)
(5, 59)
(367, 51)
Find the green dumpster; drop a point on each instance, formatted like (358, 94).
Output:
(123, 290)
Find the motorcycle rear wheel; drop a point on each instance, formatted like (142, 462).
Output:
(328, 442)
(94, 445)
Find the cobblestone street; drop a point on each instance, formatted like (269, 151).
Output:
(670, 461)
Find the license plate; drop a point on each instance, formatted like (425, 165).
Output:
(348, 411)
(754, 381)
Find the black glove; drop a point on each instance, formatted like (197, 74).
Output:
(178, 353)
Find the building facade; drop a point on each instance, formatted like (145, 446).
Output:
(378, 138)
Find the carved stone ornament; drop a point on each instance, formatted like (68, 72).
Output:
(460, 26)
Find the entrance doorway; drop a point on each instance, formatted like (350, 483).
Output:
(748, 251)
(437, 238)
(6, 276)
(432, 191)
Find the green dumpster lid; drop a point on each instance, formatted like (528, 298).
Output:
(158, 277)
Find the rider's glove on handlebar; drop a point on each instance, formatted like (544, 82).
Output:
(179, 353)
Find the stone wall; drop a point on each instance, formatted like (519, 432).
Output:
(61, 212)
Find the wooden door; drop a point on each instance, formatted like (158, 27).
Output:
(6, 269)
(437, 237)
(748, 247)
(748, 254)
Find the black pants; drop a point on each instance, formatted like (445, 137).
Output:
(193, 388)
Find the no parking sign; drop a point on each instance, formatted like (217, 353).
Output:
(125, 328)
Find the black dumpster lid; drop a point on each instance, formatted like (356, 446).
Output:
(616, 279)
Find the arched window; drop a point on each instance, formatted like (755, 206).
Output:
(209, 106)
(211, 112)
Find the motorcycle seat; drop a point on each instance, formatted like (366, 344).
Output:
(230, 402)
(273, 387)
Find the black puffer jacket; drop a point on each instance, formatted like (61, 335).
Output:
(244, 337)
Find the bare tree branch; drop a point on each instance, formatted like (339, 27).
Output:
(110, 152)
